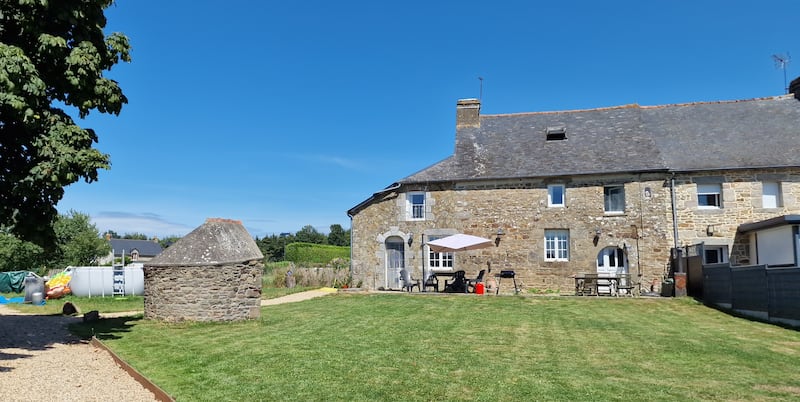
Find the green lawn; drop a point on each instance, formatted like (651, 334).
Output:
(85, 304)
(116, 304)
(402, 347)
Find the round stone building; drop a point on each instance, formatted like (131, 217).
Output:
(211, 274)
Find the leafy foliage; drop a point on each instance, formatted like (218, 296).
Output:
(310, 235)
(273, 247)
(51, 53)
(79, 241)
(135, 236)
(168, 241)
(338, 237)
(19, 255)
(315, 253)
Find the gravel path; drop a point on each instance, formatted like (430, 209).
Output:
(41, 360)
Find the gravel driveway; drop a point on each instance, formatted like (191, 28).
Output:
(41, 361)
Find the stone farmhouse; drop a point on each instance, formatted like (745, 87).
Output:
(609, 190)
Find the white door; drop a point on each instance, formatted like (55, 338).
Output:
(611, 261)
(395, 261)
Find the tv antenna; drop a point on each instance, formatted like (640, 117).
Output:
(781, 60)
(480, 96)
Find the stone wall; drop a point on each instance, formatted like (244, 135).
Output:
(644, 231)
(203, 293)
(741, 203)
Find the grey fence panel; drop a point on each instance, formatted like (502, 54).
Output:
(717, 284)
(784, 293)
(748, 285)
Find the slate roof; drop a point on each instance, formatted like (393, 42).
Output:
(147, 248)
(216, 242)
(753, 133)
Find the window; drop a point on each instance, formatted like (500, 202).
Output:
(555, 195)
(614, 198)
(709, 196)
(439, 261)
(771, 197)
(556, 133)
(416, 206)
(715, 254)
(556, 245)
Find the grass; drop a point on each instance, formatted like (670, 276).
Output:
(401, 347)
(101, 304)
(117, 304)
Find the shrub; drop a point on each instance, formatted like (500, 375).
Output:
(335, 274)
(308, 253)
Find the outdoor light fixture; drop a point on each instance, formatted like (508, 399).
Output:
(710, 229)
(410, 238)
(500, 232)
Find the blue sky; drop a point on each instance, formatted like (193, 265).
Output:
(286, 114)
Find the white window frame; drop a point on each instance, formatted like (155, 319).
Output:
(709, 190)
(551, 191)
(416, 212)
(722, 254)
(771, 194)
(607, 197)
(556, 245)
(439, 261)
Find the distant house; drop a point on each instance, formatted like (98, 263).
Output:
(609, 190)
(136, 250)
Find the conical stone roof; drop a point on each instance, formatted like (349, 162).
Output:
(216, 242)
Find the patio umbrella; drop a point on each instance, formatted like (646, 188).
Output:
(458, 242)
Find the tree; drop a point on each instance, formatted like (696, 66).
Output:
(112, 234)
(274, 247)
(337, 236)
(168, 241)
(310, 235)
(79, 242)
(135, 236)
(18, 255)
(52, 53)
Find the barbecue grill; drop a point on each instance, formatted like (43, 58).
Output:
(507, 274)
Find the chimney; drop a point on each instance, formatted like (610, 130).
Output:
(468, 113)
(794, 88)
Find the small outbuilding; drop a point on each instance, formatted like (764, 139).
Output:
(211, 274)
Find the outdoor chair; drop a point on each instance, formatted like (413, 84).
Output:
(472, 282)
(431, 282)
(458, 285)
(588, 286)
(408, 281)
(626, 284)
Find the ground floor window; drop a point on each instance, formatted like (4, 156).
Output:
(556, 245)
(439, 261)
(715, 254)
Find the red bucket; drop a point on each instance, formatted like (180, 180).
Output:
(479, 289)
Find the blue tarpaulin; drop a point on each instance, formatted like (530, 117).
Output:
(16, 300)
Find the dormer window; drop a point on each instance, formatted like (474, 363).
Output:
(556, 133)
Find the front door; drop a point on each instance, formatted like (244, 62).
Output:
(395, 261)
(611, 261)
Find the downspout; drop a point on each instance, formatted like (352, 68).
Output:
(674, 211)
(677, 255)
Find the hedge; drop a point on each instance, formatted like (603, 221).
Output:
(314, 253)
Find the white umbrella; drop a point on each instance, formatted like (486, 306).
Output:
(458, 242)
